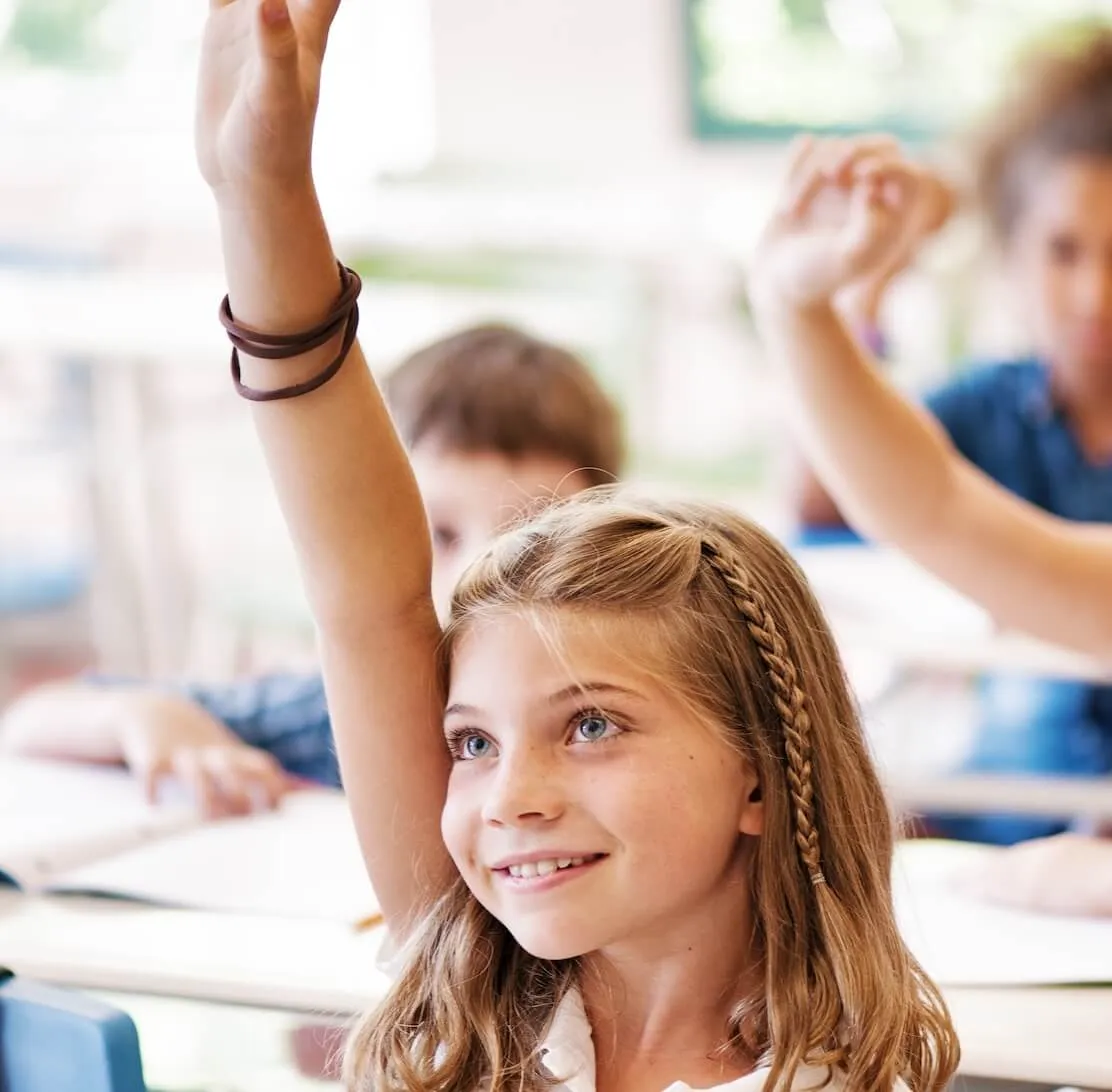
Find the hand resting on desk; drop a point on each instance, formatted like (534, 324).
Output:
(168, 742)
(1067, 874)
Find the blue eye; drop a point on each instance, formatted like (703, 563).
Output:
(471, 745)
(592, 727)
(475, 746)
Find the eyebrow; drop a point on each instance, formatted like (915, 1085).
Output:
(574, 690)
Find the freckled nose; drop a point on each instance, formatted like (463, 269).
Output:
(525, 788)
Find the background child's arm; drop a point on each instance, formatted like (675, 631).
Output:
(887, 463)
(1066, 874)
(158, 735)
(861, 305)
(342, 477)
(815, 509)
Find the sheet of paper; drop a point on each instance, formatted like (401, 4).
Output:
(962, 941)
(56, 815)
(301, 861)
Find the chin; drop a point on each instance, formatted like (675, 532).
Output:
(551, 940)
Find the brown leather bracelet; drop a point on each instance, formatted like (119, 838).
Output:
(343, 316)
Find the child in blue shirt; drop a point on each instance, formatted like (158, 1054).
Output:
(1042, 425)
(497, 423)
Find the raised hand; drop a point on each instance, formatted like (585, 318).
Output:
(848, 211)
(257, 92)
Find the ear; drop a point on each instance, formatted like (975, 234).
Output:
(751, 820)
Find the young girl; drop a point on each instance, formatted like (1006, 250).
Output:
(620, 812)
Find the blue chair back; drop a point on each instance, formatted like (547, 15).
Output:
(55, 1040)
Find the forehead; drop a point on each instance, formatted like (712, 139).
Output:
(1073, 192)
(524, 656)
(492, 483)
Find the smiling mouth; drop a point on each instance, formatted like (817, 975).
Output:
(533, 870)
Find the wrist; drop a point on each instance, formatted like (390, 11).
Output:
(262, 198)
(771, 302)
(280, 266)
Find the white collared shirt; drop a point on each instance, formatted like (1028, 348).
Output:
(569, 1055)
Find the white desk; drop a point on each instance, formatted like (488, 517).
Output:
(1052, 1035)
(277, 963)
(1043, 1034)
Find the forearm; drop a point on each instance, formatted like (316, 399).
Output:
(888, 466)
(71, 721)
(341, 474)
(815, 509)
(897, 479)
(89, 722)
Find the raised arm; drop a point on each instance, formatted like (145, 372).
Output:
(887, 464)
(342, 476)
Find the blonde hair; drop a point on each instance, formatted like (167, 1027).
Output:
(731, 614)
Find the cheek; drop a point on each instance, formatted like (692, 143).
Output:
(1043, 285)
(448, 565)
(457, 824)
(691, 800)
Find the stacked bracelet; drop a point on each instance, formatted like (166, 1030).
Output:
(343, 316)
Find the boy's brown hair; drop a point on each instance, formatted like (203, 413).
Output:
(1058, 104)
(494, 388)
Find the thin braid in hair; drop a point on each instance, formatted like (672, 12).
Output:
(788, 697)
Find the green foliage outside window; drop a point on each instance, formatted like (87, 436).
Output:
(56, 34)
(764, 69)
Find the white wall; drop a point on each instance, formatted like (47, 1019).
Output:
(552, 82)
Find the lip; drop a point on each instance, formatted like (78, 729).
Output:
(540, 855)
(537, 884)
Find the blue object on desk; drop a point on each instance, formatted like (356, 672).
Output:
(826, 536)
(55, 1040)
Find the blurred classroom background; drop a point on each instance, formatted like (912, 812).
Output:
(595, 172)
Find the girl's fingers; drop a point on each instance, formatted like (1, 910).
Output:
(811, 178)
(894, 180)
(799, 148)
(314, 19)
(800, 153)
(852, 152)
(151, 774)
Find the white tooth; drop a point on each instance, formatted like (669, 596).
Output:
(563, 862)
(515, 871)
(577, 861)
(528, 870)
(546, 868)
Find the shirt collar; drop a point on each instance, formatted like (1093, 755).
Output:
(568, 1051)
(1036, 395)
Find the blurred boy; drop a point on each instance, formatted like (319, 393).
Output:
(498, 424)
